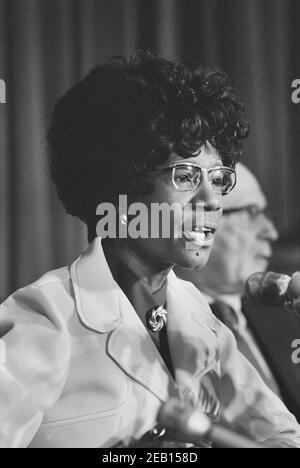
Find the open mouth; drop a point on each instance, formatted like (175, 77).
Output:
(205, 230)
(201, 235)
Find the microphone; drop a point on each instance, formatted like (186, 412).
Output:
(191, 425)
(274, 289)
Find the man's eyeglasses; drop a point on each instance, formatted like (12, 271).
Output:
(187, 177)
(252, 210)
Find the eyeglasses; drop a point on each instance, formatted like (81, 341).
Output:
(252, 210)
(187, 177)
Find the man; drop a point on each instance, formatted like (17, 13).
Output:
(243, 246)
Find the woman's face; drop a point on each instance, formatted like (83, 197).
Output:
(191, 238)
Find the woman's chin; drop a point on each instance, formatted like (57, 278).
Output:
(195, 259)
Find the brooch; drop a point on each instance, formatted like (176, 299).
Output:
(157, 319)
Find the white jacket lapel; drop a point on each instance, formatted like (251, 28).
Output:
(133, 349)
(192, 333)
(102, 306)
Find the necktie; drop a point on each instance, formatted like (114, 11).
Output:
(226, 314)
(164, 350)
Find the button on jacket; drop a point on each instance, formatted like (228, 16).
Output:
(81, 370)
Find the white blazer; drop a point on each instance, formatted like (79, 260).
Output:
(82, 371)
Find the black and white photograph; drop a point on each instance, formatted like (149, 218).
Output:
(149, 226)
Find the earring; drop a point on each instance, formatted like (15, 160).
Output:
(123, 219)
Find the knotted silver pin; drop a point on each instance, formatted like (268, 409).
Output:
(157, 319)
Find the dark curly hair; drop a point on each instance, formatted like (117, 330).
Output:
(127, 116)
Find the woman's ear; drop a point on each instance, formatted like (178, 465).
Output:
(123, 218)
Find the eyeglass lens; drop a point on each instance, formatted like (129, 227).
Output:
(188, 178)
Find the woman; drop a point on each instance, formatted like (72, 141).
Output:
(94, 350)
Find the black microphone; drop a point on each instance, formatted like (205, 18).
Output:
(191, 425)
(269, 288)
(275, 289)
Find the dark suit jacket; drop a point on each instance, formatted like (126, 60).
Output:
(274, 329)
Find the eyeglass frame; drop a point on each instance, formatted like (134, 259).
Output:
(253, 211)
(202, 169)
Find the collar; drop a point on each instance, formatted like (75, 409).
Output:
(130, 274)
(235, 302)
(93, 284)
(192, 329)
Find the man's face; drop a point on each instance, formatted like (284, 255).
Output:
(243, 243)
(179, 248)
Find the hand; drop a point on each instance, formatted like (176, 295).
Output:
(161, 439)
(150, 439)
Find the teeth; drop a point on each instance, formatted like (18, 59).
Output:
(198, 237)
(203, 230)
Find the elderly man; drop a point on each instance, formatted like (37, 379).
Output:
(243, 246)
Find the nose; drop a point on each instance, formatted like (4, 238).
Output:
(205, 194)
(268, 229)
